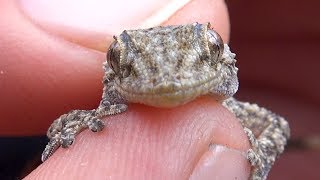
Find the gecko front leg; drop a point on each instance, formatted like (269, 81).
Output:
(63, 130)
(111, 103)
(267, 132)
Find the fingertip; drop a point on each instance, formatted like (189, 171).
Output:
(149, 143)
(93, 24)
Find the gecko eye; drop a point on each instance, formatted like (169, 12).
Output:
(215, 44)
(113, 57)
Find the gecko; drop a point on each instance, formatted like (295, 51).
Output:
(167, 66)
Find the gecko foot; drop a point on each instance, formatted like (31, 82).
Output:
(63, 130)
(51, 147)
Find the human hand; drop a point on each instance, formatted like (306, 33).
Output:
(51, 63)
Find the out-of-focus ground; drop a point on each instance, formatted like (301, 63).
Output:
(277, 45)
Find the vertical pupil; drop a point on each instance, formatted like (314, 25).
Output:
(216, 45)
(113, 57)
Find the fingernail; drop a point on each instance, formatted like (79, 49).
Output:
(221, 162)
(81, 21)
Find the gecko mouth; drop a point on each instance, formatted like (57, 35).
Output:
(165, 95)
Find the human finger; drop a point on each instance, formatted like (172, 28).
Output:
(49, 67)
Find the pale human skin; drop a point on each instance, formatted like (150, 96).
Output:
(135, 119)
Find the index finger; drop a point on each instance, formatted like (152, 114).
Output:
(48, 68)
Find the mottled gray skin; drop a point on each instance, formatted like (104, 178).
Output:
(169, 66)
(268, 134)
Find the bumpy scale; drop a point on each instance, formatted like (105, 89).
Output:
(169, 66)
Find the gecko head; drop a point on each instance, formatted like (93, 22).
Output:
(166, 66)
